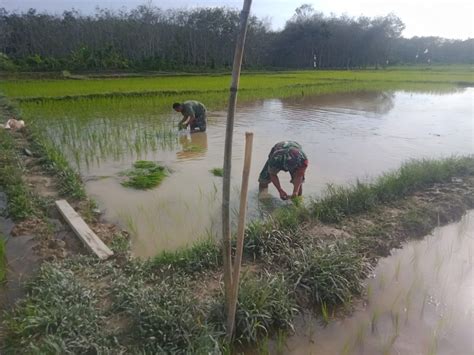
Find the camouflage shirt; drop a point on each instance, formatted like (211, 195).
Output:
(194, 108)
(286, 156)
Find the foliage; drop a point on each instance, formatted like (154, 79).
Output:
(265, 303)
(58, 309)
(165, 317)
(145, 175)
(414, 175)
(201, 256)
(20, 201)
(328, 274)
(55, 162)
(6, 64)
(146, 38)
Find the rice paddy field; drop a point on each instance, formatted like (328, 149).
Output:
(352, 125)
(410, 307)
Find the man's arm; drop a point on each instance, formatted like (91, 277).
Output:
(276, 182)
(298, 181)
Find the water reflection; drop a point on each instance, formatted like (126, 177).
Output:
(193, 145)
(378, 103)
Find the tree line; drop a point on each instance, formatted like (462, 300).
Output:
(149, 38)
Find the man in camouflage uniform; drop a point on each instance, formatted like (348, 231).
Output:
(194, 115)
(286, 156)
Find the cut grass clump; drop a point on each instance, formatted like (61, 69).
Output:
(3, 260)
(217, 172)
(145, 175)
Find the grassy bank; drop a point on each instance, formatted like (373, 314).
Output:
(174, 303)
(20, 200)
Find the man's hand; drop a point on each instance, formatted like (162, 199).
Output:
(283, 194)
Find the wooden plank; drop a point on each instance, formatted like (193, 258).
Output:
(82, 230)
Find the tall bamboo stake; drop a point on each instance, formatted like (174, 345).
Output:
(240, 234)
(226, 247)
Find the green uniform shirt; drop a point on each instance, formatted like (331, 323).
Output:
(286, 156)
(194, 108)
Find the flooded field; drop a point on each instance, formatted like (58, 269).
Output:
(419, 301)
(345, 137)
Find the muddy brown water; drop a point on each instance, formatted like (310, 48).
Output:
(420, 300)
(346, 137)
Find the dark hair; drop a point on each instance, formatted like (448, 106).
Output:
(176, 104)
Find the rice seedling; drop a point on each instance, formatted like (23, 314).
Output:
(374, 320)
(217, 172)
(280, 341)
(397, 270)
(148, 86)
(423, 303)
(360, 334)
(369, 292)
(395, 317)
(3, 260)
(347, 348)
(388, 346)
(144, 175)
(325, 313)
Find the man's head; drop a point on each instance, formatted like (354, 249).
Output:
(177, 107)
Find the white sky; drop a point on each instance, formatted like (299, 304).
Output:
(444, 18)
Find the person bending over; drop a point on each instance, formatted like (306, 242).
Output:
(287, 156)
(194, 115)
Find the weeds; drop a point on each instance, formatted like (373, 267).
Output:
(265, 303)
(57, 310)
(361, 197)
(329, 274)
(20, 200)
(144, 175)
(203, 255)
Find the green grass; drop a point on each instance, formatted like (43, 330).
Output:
(265, 303)
(201, 256)
(20, 200)
(339, 202)
(217, 171)
(250, 81)
(3, 260)
(93, 120)
(55, 162)
(144, 175)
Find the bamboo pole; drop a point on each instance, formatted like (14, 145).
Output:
(240, 234)
(226, 233)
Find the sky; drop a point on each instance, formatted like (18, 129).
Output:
(443, 18)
